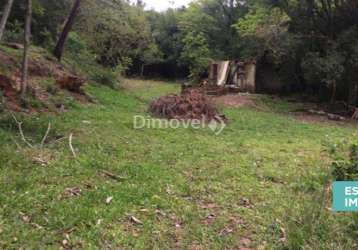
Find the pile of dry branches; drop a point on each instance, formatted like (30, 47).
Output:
(191, 104)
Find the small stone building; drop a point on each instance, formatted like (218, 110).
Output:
(235, 74)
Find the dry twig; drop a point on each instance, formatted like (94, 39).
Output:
(19, 124)
(46, 135)
(113, 176)
(44, 140)
(71, 147)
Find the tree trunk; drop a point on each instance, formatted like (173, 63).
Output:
(353, 93)
(334, 91)
(66, 30)
(142, 70)
(25, 60)
(5, 16)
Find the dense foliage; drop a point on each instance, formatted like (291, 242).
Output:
(305, 45)
(346, 168)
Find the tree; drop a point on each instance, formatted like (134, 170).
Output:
(263, 31)
(47, 18)
(327, 30)
(348, 41)
(5, 16)
(196, 54)
(149, 56)
(118, 33)
(168, 38)
(215, 20)
(25, 60)
(66, 30)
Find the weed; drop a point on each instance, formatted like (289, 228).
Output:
(346, 169)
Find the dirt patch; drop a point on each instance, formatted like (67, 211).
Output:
(234, 100)
(191, 104)
(9, 92)
(5, 59)
(71, 83)
(6, 86)
(49, 83)
(307, 117)
(38, 68)
(210, 90)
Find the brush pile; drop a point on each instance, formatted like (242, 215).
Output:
(191, 104)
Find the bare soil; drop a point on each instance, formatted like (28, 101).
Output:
(9, 93)
(41, 68)
(234, 100)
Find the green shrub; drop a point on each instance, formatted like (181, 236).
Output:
(346, 168)
(108, 77)
(76, 44)
(52, 89)
(47, 40)
(325, 72)
(196, 55)
(14, 32)
(33, 102)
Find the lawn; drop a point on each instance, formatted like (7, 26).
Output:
(260, 184)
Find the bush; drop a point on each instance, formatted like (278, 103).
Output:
(108, 76)
(196, 55)
(78, 52)
(75, 44)
(346, 168)
(14, 32)
(319, 69)
(47, 40)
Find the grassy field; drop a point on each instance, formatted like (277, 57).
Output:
(261, 184)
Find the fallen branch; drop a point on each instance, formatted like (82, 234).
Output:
(46, 135)
(43, 142)
(71, 147)
(113, 176)
(19, 124)
(334, 117)
(317, 112)
(330, 116)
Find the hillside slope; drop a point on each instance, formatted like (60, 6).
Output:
(51, 84)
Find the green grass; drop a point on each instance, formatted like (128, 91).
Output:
(261, 179)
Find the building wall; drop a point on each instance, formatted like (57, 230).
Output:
(241, 74)
(250, 76)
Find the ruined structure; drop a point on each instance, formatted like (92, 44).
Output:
(240, 75)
